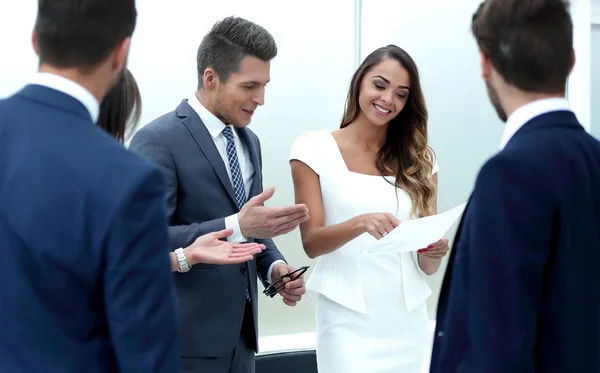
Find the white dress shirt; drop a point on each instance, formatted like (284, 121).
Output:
(529, 111)
(215, 127)
(70, 88)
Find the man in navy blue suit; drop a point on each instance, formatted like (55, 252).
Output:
(522, 288)
(84, 268)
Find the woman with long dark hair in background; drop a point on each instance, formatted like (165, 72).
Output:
(121, 109)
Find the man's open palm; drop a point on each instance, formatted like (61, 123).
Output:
(211, 250)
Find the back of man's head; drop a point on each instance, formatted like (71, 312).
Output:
(228, 42)
(529, 42)
(81, 33)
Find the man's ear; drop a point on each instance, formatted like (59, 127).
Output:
(34, 43)
(210, 79)
(573, 59)
(486, 65)
(120, 54)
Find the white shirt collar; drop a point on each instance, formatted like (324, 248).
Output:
(70, 88)
(214, 125)
(527, 112)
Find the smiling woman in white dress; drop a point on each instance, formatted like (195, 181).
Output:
(360, 182)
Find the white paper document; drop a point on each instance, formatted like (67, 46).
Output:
(417, 234)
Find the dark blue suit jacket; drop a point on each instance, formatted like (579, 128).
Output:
(212, 298)
(522, 289)
(84, 267)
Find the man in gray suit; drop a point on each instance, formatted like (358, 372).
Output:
(213, 165)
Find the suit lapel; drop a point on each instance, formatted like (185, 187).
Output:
(255, 159)
(206, 144)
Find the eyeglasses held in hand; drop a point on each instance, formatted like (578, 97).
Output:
(279, 284)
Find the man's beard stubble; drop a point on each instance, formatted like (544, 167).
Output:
(495, 100)
(221, 112)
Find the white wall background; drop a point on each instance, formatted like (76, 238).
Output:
(595, 81)
(18, 62)
(595, 70)
(579, 89)
(310, 78)
(596, 12)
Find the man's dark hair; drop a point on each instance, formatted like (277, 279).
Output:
(529, 42)
(82, 33)
(228, 42)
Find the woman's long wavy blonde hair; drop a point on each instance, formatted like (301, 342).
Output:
(405, 151)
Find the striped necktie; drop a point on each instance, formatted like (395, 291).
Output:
(237, 179)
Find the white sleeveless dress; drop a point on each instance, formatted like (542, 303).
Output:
(370, 310)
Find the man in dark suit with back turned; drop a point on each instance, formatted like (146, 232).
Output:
(522, 288)
(84, 268)
(213, 165)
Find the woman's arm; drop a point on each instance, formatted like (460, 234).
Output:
(318, 239)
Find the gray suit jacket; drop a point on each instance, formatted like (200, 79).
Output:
(200, 195)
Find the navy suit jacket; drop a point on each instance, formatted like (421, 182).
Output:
(84, 267)
(200, 195)
(522, 290)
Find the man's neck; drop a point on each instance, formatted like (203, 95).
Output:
(514, 99)
(207, 102)
(87, 81)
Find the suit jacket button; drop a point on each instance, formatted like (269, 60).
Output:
(244, 269)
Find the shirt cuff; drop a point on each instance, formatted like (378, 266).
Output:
(271, 269)
(232, 222)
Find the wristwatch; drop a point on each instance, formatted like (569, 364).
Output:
(183, 265)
